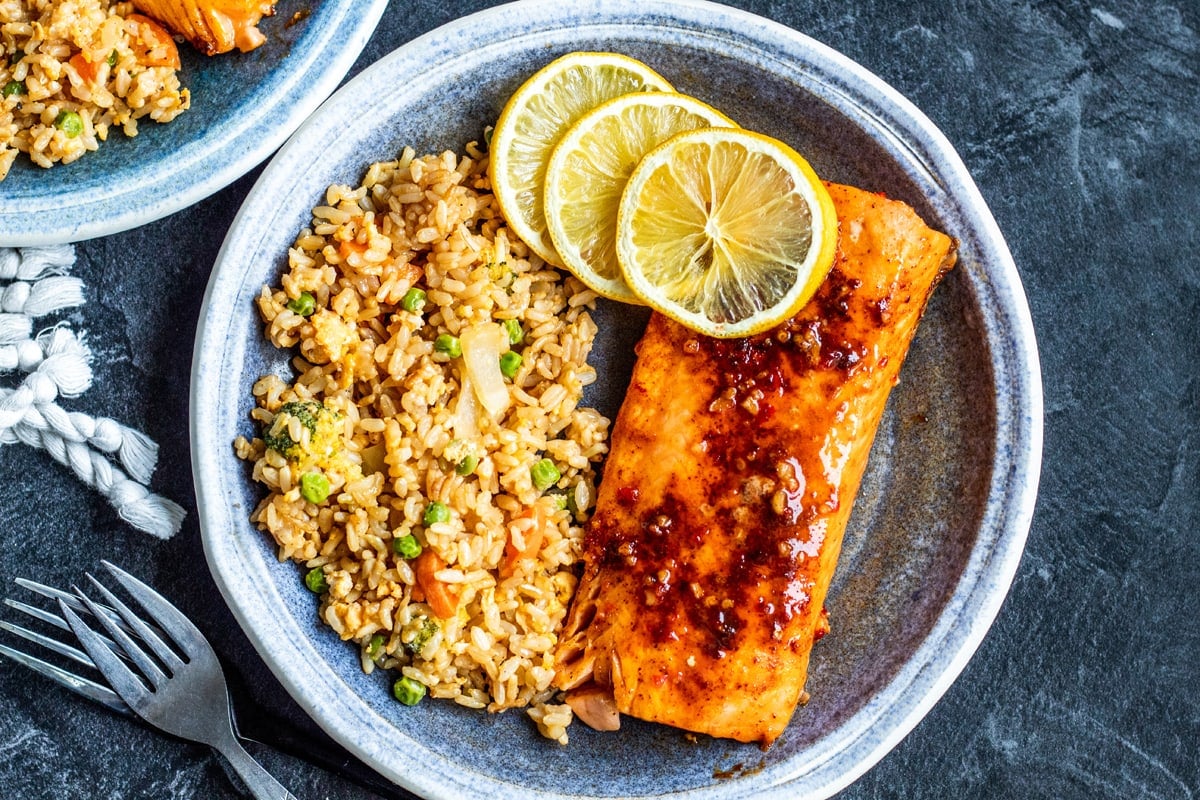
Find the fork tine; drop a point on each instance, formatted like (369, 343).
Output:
(74, 602)
(149, 669)
(50, 619)
(38, 614)
(53, 645)
(169, 618)
(123, 681)
(164, 653)
(76, 683)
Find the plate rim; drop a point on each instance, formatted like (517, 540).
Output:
(237, 149)
(1023, 407)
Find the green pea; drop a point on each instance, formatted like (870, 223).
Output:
(408, 691)
(315, 581)
(436, 512)
(448, 344)
(70, 123)
(375, 647)
(304, 305)
(516, 334)
(544, 474)
(14, 87)
(406, 546)
(510, 362)
(314, 487)
(466, 466)
(413, 300)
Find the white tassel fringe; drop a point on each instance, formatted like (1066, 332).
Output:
(58, 364)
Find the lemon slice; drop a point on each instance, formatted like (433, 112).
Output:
(589, 167)
(726, 231)
(534, 119)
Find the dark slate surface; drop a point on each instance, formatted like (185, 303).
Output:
(1080, 125)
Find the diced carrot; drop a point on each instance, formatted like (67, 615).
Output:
(349, 247)
(441, 597)
(533, 537)
(409, 274)
(88, 70)
(152, 44)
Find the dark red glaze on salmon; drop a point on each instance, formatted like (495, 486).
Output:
(733, 469)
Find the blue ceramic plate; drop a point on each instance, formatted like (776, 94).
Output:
(939, 525)
(244, 105)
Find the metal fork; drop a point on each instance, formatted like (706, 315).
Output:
(186, 696)
(76, 683)
(251, 722)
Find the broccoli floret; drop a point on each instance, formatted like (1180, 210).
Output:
(425, 629)
(500, 273)
(306, 411)
(277, 437)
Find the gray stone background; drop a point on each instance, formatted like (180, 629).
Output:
(1080, 123)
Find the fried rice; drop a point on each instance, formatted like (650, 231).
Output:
(379, 409)
(74, 70)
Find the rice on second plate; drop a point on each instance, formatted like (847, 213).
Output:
(431, 466)
(73, 70)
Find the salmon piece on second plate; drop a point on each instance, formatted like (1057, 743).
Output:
(212, 26)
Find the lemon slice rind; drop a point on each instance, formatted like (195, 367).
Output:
(537, 115)
(718, 243)
(589, 167)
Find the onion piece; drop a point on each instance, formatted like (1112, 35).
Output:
(595, 707)
(374, 459)
(482, 346)
(465, 421)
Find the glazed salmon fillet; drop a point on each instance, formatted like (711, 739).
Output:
(732, 472)
(212, 26)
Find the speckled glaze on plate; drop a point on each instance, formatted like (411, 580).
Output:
(939, 524)
(244, 105)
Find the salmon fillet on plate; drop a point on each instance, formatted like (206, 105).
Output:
(733, 468)
(212, 26)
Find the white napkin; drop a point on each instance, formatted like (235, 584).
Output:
(57, 363)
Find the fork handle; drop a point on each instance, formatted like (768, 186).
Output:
(260, 782)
